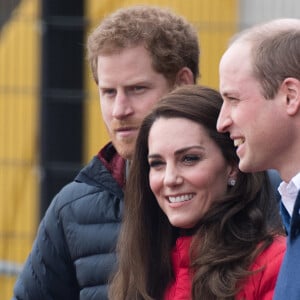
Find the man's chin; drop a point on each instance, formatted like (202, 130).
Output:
(247, 167)
(244, 166)
(126, 151)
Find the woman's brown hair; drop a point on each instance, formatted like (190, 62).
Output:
(226, 240)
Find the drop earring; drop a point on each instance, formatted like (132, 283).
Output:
(231, 182)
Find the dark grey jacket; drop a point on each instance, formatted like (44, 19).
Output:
(73, 253)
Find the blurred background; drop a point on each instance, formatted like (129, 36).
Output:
(50, 122)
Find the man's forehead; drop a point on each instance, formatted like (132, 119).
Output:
(236, 53)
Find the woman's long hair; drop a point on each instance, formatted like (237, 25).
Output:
(226, 240)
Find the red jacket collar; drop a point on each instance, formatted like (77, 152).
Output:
(114, 163)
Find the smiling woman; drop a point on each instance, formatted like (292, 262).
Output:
(187, 174)
(194, 225)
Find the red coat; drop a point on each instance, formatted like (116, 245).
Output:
(259, 286)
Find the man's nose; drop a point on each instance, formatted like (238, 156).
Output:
(224, 120)
(122, 105)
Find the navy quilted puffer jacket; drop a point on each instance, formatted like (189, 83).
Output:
(74, 251)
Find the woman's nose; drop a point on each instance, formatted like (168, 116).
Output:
(172, 176)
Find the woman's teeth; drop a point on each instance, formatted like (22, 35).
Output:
(180, 198)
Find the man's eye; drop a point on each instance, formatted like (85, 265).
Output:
(232, 99)
(108, 92)
(137, 89)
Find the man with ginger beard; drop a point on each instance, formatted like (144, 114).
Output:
(137, 55)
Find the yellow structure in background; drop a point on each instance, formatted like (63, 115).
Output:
(215, 21)
(19, 80)
(19, 109)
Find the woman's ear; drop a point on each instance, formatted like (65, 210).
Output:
(232, 175)
(184, 76)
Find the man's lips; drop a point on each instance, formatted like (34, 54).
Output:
(125, 131)
(238, 141)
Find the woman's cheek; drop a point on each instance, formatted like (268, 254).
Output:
(154, 182)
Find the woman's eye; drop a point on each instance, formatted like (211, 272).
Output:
(155, 163)
(191, 158)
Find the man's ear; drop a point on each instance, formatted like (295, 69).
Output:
(291, 89)
(184, 76)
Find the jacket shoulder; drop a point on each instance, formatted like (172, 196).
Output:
(80, 227)
(261, 284)
(93, 180)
